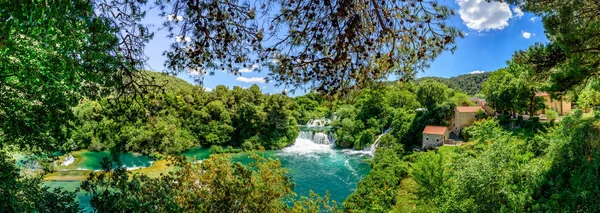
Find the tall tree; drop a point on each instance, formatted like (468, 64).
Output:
(571, 57)
(54, 53)
(507, 93)
(431, 93)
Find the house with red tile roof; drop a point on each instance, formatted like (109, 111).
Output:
(434, 136)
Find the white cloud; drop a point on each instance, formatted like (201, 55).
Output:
(172, 17)
(182, 39)
(526, 35)
(477, 72)
(196, 71)
(533, 19)
(254, 67)
(518, 12)
(482, 15)
(251, 80)
(207, 89)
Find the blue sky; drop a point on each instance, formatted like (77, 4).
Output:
(494, 32)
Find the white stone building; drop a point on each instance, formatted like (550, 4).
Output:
(434, 136)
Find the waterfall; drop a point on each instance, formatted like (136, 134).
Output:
(321, 122)
(376, 142)
(369, 150)
(318, 137)
(309, 142)
(68, 160)
(321, 138)
(313, 139)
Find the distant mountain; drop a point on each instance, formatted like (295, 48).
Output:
(468, 83)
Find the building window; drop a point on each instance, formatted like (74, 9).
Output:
(437, 140)
(454, 124)
(426, 139)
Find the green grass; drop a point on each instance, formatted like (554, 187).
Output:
(71, 175)
(406, 200)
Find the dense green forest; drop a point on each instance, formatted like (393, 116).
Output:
(71, 78)
(371, 112)
(181, 116)
(468, 83)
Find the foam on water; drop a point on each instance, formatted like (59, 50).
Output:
(68, 160)
(304, 147)
(358, 152)
(133, 168)
(318, 122)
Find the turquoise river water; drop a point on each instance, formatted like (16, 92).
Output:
(312, 166)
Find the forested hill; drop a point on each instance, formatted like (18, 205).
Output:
(172, 83)
(468, 83)
(181, 116)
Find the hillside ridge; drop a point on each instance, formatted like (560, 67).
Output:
(467, 83)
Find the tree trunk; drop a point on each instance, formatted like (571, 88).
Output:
(532, 103)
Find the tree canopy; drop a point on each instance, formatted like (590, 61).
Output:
(571, 56)
(331, 46)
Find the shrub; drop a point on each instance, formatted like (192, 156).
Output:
(96, 146)
(157, 156)
(577, 113)
(232, 150)
(215, 149)
(47, 166)
(551, 115)
(366, 138)
(504, 120)
(481, 114)
(247, 145)
(519, 121)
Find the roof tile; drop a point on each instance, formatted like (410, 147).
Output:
(435, 130)
(468, 108)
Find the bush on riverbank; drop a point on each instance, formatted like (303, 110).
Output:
(214, 149)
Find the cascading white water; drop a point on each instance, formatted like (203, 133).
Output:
(68, 160)
(307, 135)
(318, 122)
(304, 146)
(369, 150)
(321, 138)
(318, 137)
(376, 142)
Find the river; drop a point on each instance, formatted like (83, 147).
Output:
(319, 167)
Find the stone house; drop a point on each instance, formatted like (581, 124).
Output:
(561, 106)
(478, 101)
(464, 116)
(434, 136)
